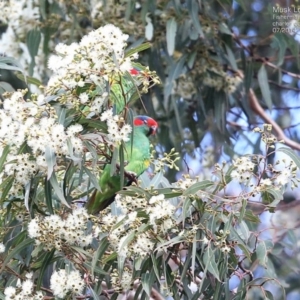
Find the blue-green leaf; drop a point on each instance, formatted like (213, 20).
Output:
(198, 186)
(291, 154)
(58, 190)
(263, 82)
(262, 251)
(50, 160)
(171, 35)
(211, 265)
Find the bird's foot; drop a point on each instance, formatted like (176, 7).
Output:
(131, 176)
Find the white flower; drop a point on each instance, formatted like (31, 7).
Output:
(126, 280)
(155, 199)
(225, 249)
(33, 229)
(74, 282)
(58, 283)
(27, 287)
(9, 292)
(83, 97)
(106, 115)
(2, 248)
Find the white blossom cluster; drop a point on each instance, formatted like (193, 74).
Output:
(62, 283)
(243, 171)
(54, 232)
(21, 16)
(159, 213)
(24, 290)
(124, 282)
(186, 182)
(278, 175)
(97, 59)
(116, 134)
(25, 121)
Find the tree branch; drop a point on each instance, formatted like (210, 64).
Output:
(256, 107)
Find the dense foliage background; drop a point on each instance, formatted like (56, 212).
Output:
(225, 68)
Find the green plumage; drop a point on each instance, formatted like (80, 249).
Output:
(137, 157)
(123, 91)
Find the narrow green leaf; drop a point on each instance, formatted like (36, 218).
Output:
(263, 82)
(194, 249)
(93, 178)
(191, 60)
(172, 241)
(121, 165)
(209, 260)
(26, 196)
(171, 35)
(186, 209)
(48, 195)
(138, 49)
(58, 190)
(250, 216)
(33, 41)
(3, 156)
(224, 28)
(93, 124)
(147, 280)
(45, 264)
(8, 67)
(15, 251)
(156, 266)
(94, 294)
(268, 295)
(231, 58)
(29, 80)
(6, 186)
(6, 87)
(277, 195)
(291, 153)
(175, 71)
(50, 160)
(103, 244)
(155, 181)
(198, 186)
(10, 60)
(96, 269)
(194, 13)
(278, 42)
(243, 247)
(121, 258)
(242, 210)
(262, 252)
(243, 231)
(61, 115)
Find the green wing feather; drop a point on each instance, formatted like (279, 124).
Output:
(122, 91)
(137, 156)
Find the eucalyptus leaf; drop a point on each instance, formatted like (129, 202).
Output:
(58, 190)
(50, 160)
(263, 82)
(171, 35)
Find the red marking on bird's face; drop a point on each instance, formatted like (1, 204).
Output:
(134, 72)
(144, 120)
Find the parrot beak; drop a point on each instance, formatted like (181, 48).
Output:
(153, 129)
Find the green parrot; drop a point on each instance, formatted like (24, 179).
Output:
(137, 157)
(124, 90)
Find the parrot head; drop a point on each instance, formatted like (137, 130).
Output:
(149, 124)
